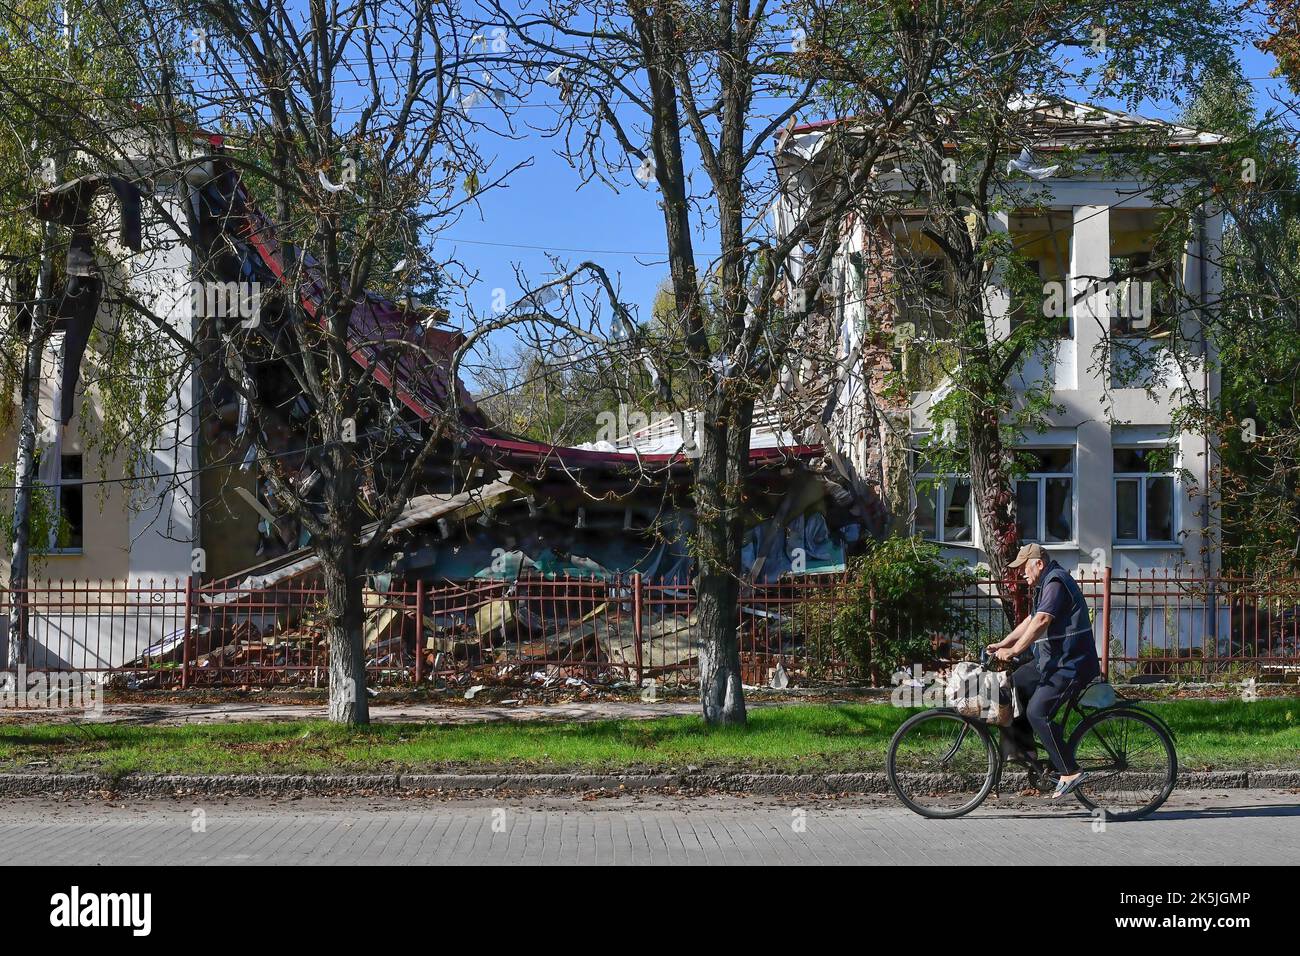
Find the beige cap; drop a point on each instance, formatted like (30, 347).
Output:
(1027, 552)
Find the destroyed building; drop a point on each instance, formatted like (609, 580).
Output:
(492, 504)
(1115, 477)
(492, 510)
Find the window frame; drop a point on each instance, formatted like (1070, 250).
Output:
(940, 506)
(56, 502)
(1140, 478)
(1040, 478)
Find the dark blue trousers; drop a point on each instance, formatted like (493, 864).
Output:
(1040, 700)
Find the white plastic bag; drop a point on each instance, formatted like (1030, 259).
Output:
(975, 692)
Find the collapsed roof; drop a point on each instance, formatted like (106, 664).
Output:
(425, 387)
(514, 483)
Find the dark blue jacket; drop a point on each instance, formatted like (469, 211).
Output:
(1069, 644)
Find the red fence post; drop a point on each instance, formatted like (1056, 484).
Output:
(419, 630)
(873, 644)
(185, 634)
(1105, 623)
(636, 624)
(1212, 589)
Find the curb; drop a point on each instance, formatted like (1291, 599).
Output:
(280, 785)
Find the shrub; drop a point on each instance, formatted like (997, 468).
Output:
(911, 586)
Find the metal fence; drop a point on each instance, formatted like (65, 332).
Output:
(1174, 627)
(557, 630)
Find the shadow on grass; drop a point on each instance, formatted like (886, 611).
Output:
(876, 719)
(1189, 717)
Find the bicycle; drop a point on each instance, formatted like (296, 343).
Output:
(942, 764)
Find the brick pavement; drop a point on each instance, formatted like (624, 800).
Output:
(1240, 827)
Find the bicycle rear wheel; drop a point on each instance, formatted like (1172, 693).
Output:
(1130, 760)
(941, 765)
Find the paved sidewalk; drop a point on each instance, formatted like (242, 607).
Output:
(1259, 827)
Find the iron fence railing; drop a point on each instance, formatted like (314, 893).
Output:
(608, 629)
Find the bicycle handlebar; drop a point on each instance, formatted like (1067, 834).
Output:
(996, 663)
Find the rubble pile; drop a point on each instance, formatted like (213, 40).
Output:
(525, 633)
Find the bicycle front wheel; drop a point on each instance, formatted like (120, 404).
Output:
(941, 765)
(1130, 761)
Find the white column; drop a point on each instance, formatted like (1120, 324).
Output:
(1205, 265)
(1089, 264)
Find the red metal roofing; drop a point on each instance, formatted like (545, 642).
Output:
(420, 383)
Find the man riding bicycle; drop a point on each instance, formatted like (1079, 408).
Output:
(1064, 660)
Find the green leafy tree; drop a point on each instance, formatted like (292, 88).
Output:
(1256, 328)
(683, 98)
(1031, 54)
(71, 72)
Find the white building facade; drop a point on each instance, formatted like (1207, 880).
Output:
(1112, 482)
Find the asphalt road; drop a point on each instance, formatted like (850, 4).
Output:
(1207, 827)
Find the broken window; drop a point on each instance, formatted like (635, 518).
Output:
(1039, 300)
(1141, 296)
(926, 298)
(66, 506)
(944, 507)
(924, 331)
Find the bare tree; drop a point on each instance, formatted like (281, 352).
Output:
(686, 99)
(315, 149)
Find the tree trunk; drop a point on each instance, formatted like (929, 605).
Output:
(25, 458)
(720, 529)
(344, 607)
(994, 502)
(722, 697)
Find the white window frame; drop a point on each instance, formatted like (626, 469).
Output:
(941, 507)
(1140, 477)
(1040, 477)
